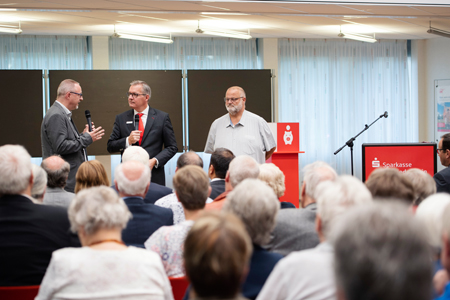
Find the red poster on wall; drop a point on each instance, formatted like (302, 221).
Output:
(400, 156)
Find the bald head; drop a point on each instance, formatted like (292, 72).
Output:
(237, 88)
(132, 178)
(57, 171)
(189, 159)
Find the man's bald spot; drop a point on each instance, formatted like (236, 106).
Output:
(132, 170)
(241, 90)
(54, 163)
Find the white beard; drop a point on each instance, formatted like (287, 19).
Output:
(232, 109)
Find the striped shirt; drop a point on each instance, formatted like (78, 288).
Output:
(250, 136)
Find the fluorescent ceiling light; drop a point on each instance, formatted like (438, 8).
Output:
(230, 34)
(145, 38)
(224, 13)
(440, 32)
(8, 9)
(357, 37)
(10, 30)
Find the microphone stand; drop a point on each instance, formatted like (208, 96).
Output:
(350, 144)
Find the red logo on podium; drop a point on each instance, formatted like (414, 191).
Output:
(288, 137)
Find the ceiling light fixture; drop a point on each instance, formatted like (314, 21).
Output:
(230, 34)
(11, 29)
(439, 32)
(143, 37)
(358, 37)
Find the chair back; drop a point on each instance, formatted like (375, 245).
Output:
(179, 286)
(19, 292)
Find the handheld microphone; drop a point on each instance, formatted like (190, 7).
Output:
(385, 115)
(136, 122)
(88, 119)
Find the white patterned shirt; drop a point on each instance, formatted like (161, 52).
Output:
(168, 242)
(171, 201)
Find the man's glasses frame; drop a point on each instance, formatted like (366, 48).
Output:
(231, 99)
(134, 95)
(79, 94)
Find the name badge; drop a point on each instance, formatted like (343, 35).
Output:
(129, 122)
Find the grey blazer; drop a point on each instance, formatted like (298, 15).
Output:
(60, 136)
(294, 230)
(58, 197)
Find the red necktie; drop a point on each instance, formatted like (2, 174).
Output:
(141, 127)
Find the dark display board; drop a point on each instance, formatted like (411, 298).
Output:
(206, 90)
(104, 93)
(22, 109)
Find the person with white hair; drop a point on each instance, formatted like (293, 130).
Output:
(39, 183)
(29, 233)
(240, 168)
(424, 184)
(155, 190)
(274, 177)
(308, 274)
(381, 252)
(295, 229)
(132, 180)
(257, 206)
(57, 173)
(104, 268)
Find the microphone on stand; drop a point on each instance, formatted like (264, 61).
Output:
(384, 115)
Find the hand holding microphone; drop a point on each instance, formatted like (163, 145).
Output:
(135, 135)
(95, 133)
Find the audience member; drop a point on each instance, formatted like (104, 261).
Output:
(218, 167)
(430, 213)
(423, 183)
(274, 177)
(104, 268)
(257, 206)
(171, 201)
(295, 229)
(308, 274)
(192, 188)
(390, 183)
(90, 173)
(132, 180)
(57, 173)
(29, 233)
(381, 252)
(155, 191)
(241, 167)
(445, 253)
(39, 183)
(217, 252)
(442, 178)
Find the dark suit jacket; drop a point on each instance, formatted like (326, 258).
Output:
(442, 180)
(29, 233)
(158, 133)
(217, 188)
(155, 192)
(147, 218)
(60, 136)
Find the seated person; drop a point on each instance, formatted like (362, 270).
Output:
(90, 173)
(39, 183)
(104, 268)
(274, 177)
(217, 252)
(192, 188)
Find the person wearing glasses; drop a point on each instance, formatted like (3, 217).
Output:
(155, 132)
(442, 178)
(60, 136)
(241, 131)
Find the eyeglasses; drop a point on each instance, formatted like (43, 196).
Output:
(79, 94)
(437, 150)
(231, 99)
(134, 95)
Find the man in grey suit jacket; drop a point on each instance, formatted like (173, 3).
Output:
(295, 229)
(59, 134)
(57, 173)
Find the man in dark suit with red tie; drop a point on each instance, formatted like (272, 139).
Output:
(155, 132)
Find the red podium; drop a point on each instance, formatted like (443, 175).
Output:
(285, 157)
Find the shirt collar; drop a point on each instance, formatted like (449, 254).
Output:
(241, 121)
(66, 110)
(145, 111)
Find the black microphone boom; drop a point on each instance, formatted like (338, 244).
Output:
(88, 119)
(136, 122)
